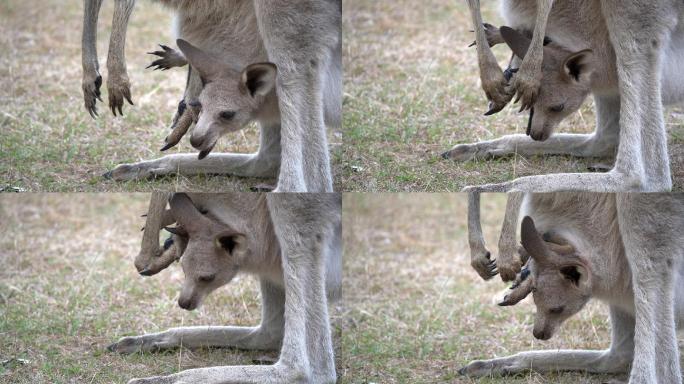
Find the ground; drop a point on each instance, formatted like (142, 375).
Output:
(48, 140)
(415, 311)
(68, 288)
(412, 91)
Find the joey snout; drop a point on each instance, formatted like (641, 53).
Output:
(542, 334)
(188, 302)
(537, 128)
(539, 135)
(190, 298)
(543, 330)
(203, 143)
(196, 141)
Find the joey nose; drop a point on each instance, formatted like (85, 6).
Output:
(541, 335)
(185, 303)
(538, 136)
(196, 141)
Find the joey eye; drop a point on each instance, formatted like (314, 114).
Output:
(557, 310)
(227, 115)
(228, 243)
(207, 278)
(557, 108)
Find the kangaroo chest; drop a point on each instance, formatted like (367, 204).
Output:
(226, 28)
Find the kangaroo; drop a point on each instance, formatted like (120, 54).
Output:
(623, 249)
(302, 39)
(298, 261)
(232, 98)
(624, 72)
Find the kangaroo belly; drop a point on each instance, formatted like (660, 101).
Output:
(226, 28)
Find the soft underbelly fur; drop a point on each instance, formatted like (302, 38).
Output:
(233, 33)
(228, 29)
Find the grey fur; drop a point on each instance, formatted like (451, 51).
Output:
(626, 85)
(292, 242)
(629, 250)
(302, 39)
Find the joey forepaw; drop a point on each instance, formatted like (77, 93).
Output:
(496, 89)
(525, 85)
(119, 89)
(484, 265)
(92, 81)
(169, 58)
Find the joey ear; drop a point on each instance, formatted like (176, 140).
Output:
(579, 66)
(235, 244)
(533, 242)
(206, 65)
(259, 79)
(185, 213)
(577, 274)
(516, 41)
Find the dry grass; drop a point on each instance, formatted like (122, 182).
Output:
(412, 92)
(415, 311)
(48, 140)
(68, 288)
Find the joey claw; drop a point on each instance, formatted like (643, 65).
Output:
(92, 81)
(167, 146)
(497, 92)
(127, 95)
(492, 34)
(517, 98)
(169, 58)
(484, 265)
(493, 108)
(179, 128)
